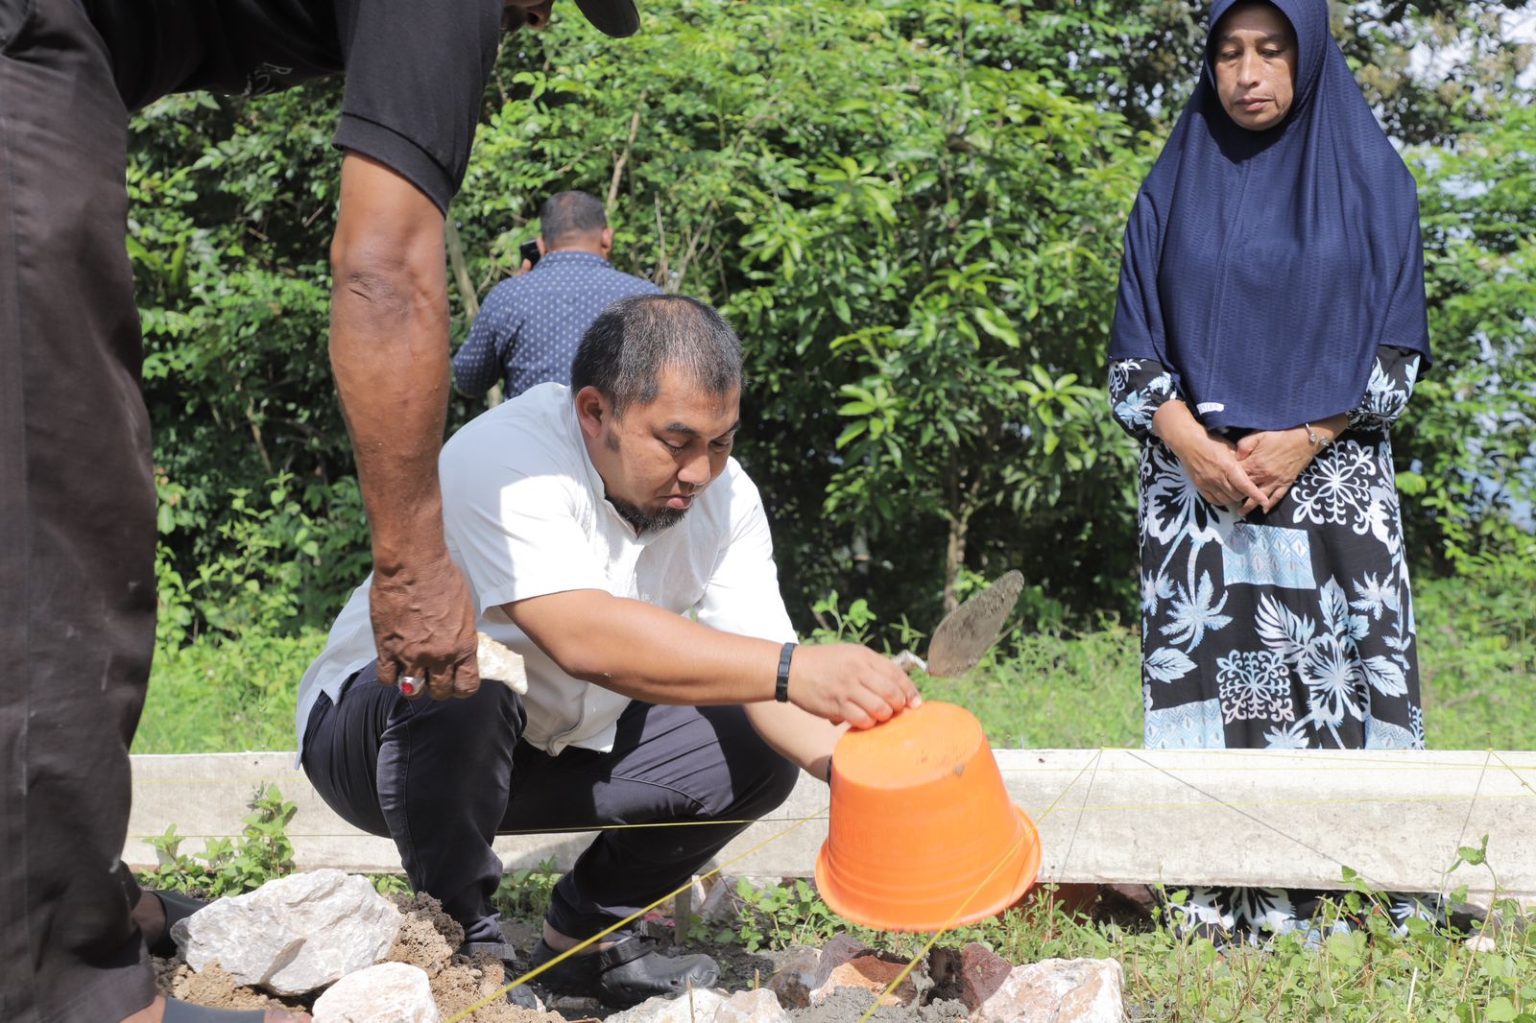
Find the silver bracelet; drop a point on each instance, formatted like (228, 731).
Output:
(1316, 441)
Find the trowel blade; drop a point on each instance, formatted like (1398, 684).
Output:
(970, 629)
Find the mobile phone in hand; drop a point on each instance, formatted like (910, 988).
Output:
(529, 250)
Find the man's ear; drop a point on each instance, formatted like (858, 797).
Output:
(606, 241)
(592, 411)
(543, 249)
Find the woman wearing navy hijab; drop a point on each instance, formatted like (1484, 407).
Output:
(1269, 327)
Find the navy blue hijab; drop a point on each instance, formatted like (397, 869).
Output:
(1265, 268)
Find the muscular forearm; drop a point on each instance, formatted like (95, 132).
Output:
(389, 353)
(803, 739)
(645, 652)
(651, 654)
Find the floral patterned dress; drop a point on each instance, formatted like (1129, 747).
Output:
(1287, 630)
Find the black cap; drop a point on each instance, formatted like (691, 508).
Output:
(612, 17)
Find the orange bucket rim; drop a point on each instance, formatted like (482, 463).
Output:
(1028, 854)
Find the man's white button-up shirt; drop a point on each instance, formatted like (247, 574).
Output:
(525, 515)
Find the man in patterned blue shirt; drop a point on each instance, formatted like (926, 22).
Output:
(530, 326)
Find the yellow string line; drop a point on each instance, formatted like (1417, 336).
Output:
(477, 1006)
(1471, 805)
(1305, 760)
(949, 925)
(1063, 793)
(1523, 783)
(1211, 802)
(906, 971)
(1263, 823)
(1081, 812)
(1097, 807)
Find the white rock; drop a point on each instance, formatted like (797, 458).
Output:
(760, 1006)
(722, 905)
(386, 993)
(1057, 991)
(693, 1007)
(1481, 943)
(501, 664)
(295, 934)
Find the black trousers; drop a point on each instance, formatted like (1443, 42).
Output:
(77, 527)
(443, 778)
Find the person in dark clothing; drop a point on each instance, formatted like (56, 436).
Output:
(1269, 329)
(77, 497)
(527, 331)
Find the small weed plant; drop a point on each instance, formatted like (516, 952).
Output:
(523, 894)
(1373, 972)
(779, 916)
(260, 853)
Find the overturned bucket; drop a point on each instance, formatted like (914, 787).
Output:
(922, 835)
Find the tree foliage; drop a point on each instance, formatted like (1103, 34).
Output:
(912, 213)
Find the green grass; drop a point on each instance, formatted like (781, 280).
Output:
(217, 696)
(1055, 692)
(1477, 662)
(1477, 656)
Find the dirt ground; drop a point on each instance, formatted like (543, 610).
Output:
(427, 939)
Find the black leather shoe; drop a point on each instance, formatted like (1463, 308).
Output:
(511, 968)
(625, 974)
(177, 906)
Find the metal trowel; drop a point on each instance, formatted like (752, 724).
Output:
(969, 630)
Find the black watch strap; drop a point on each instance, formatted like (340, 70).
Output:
(781, 681)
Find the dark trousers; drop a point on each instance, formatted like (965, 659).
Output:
(443, 778)
(77, 527)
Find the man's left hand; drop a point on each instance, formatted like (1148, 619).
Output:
(424, 627)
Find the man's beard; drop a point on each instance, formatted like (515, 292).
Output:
(647, 521)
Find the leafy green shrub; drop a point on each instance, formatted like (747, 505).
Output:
(523, 894)
(218, 695)
(261, 853)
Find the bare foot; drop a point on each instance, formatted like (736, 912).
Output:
(155, 1013)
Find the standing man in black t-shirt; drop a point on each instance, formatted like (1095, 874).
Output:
(77, 498)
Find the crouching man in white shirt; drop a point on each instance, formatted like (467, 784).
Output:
(610, 539)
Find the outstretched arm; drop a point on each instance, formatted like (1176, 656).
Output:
(651, 654)
(389, 352)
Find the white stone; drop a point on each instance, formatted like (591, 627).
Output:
(293, 935)
(501, 664)
(1058, 991)
(695, 1006)
(722, 905)
(386, 993)
(760, 1006)
(1481, 943)
(795, 978)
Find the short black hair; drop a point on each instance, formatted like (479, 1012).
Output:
(567, 214)
(624, 351)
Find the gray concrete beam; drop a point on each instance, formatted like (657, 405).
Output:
(1275, 818)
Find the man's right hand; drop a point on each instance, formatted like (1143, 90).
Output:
(424, 628)
(845, 682)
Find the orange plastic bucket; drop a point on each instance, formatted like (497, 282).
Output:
(922, 834)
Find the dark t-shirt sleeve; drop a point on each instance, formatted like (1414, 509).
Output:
(415, 74)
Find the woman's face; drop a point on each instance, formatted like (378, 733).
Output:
(1255, 63)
